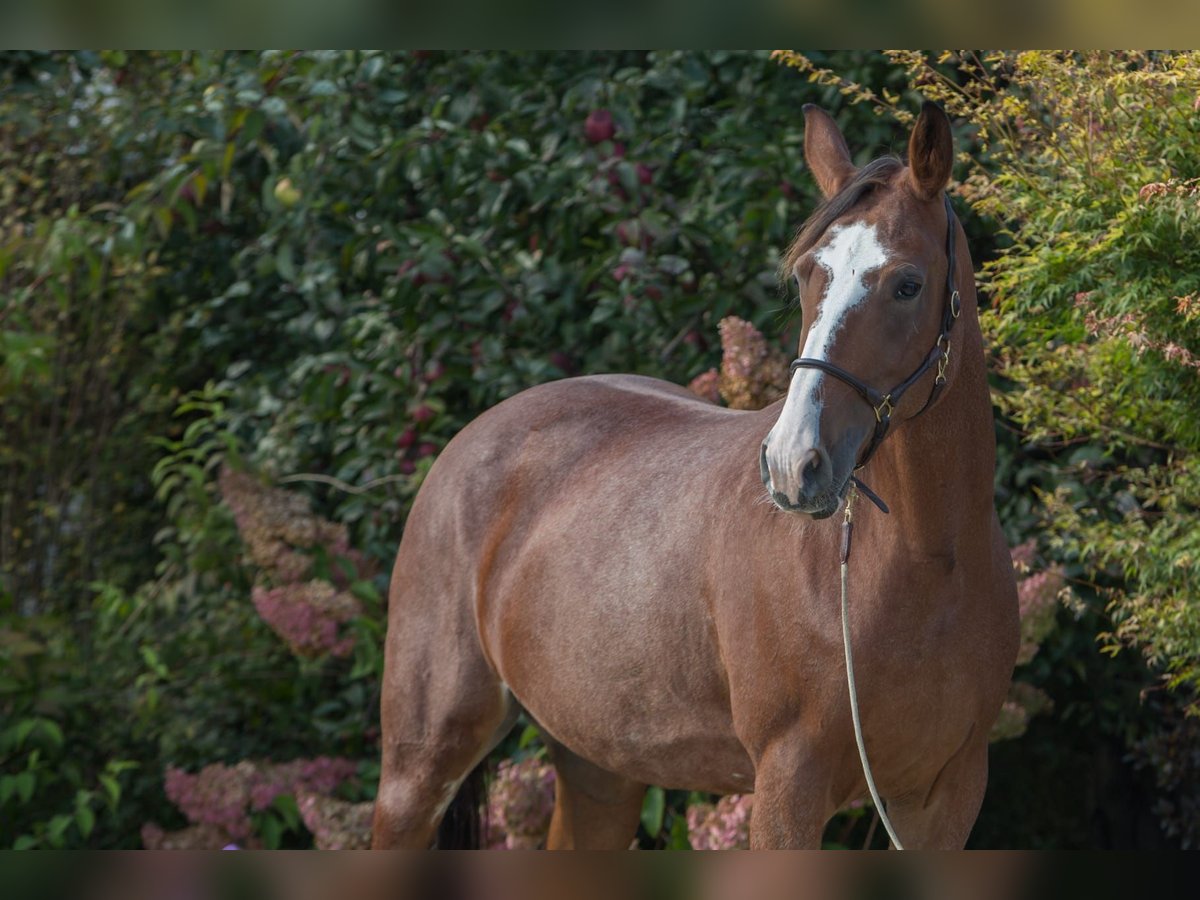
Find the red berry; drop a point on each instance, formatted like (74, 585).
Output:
(629, 232)
(423, 413)
(407, 467)
(407, 438)
(645, 174)
(599, 126)
(426, 450)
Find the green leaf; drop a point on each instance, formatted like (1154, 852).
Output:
(271, 831)
(653, 808)
(285, 805)
(85, 819)
(112, 789)
(26, 782)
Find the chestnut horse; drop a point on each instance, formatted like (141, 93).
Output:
(654, 579)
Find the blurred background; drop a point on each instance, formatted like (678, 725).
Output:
(246, 298)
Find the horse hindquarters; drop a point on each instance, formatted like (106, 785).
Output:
(443, 708)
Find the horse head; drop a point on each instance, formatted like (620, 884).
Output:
(875, 269)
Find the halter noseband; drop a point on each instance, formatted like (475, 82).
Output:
(884, 404)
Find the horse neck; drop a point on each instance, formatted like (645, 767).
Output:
(936, 471)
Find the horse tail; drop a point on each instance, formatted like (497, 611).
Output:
(464, 825)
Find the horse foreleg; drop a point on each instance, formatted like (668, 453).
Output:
(789, 809)
(941, 817)
(594, 809)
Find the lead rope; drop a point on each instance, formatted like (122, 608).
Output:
(847, 530)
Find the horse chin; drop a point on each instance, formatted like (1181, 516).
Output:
(831, 502)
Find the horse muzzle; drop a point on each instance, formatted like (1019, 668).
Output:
(800, 479)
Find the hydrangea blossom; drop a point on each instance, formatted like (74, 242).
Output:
(724, 825)
(752, 375)
(220, 798)
(336, 824)
(281, 534)
(520, 804)
(307, 615)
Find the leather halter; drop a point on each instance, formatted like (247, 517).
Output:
(885, 403)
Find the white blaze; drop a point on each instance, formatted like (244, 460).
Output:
(849, 255)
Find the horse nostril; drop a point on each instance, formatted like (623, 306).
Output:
(815, 471)
(810, 466)
(762, 465)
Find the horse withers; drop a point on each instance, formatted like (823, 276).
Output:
(654, 579)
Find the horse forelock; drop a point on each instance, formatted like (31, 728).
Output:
(874, 174)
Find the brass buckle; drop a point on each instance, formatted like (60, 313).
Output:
(944, 361)
(885, 405)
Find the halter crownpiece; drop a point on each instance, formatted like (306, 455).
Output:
(884, 404)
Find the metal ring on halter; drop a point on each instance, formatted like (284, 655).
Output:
(943, 361)
(886, 403)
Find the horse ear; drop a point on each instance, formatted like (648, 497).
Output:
(825, 151)
(930, 152)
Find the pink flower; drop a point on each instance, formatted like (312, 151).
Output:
(1037, 600)
(222, 797)
(307, 615)
(520, 803)
(724, 825)
(705, 385)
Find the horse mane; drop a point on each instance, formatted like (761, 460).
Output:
(875, 173)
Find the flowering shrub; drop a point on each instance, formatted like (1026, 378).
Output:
(724, 825)
(219, 799)
(519, 805)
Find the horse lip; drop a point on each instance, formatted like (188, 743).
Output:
(823, 511)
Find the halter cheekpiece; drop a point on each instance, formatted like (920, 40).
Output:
(884, 403)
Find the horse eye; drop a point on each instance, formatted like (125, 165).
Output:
(908, 290)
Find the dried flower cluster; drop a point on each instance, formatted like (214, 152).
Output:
(1174, 187)
(336, 824)
(724, 825)
(520, 803)
(219, 799)
(1131, 327)
(752, 374)
(307, 615)
(1024, 702)
(1037, 599)
(281, 533)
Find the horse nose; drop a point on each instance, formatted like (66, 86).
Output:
(795, 477)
